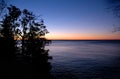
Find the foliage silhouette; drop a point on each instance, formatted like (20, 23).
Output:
(7, 32)
(115, 7)
(3, 5)
(30, 60)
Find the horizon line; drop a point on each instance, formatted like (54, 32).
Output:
(84, 39)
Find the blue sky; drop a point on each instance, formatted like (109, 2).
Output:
(73, 19)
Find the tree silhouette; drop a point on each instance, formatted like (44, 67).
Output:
(115, 7)
(32, 33)
(7, 32)
(7, 42)
(3, 5)
(33, 61)
(26, 19)
(33, 44)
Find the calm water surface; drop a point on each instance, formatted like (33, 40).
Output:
(85, 59)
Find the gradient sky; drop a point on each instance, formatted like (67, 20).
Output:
(73, 19)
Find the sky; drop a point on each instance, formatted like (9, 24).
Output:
(73, 19)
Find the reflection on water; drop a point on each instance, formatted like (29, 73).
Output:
(85, 59)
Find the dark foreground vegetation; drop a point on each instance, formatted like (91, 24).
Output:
(27, 58)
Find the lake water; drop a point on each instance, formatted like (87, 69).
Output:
(85, 59)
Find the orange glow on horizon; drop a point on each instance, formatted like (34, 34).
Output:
(82, 37)
(78, 37)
